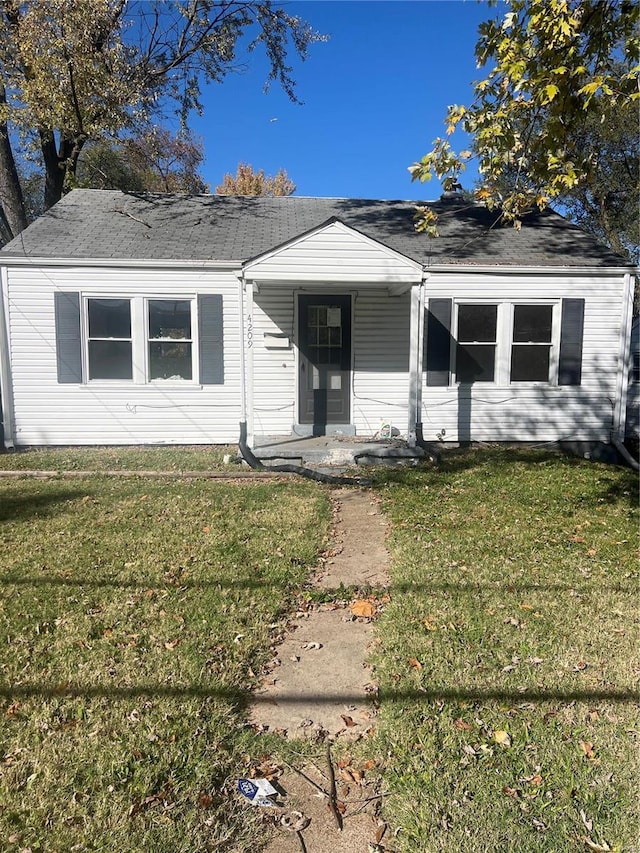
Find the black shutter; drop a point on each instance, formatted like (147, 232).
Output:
(570, 361)
(68, 338)
(210, 338)
(438, 340)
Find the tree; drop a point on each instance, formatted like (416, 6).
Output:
(153, 161)
(78, 70)
(559, 67)
(606, 204)
(248, 182)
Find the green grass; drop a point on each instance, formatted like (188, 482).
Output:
(134, 614)
(514, 609)
(170, 459)
(132, 620)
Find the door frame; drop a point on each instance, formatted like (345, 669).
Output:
(308, 428)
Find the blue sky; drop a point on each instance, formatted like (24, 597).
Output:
(375, 96)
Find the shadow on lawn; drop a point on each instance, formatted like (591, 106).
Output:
(243, 697)
(583, 588)
(25, 507)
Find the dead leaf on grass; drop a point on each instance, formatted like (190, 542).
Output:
(502, 737)
(415, 663)
(596, 848)
(348, 721)
(587, 748)
(460, 724)
(363, 608)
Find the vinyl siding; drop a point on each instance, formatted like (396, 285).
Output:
(380, 359)
(334, 253)
(49, 413)
(527, 411)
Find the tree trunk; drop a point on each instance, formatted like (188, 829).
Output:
(13, 216)
(54, 167)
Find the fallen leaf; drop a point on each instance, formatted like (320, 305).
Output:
(525, 606)
(587, 748)
(580, 666)
(415, 663)
(171, 644)
(348, 721)
(502, 737)
(588, 823)
(363, 608)
(536, 780)
(596, 848)
(460, 724)
(380, 831)
(510, 792)
(204, 800)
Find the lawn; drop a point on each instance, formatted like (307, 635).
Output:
(508, 656)
(133, 615)
(136, 614)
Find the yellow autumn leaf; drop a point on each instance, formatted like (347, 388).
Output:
(502, 737)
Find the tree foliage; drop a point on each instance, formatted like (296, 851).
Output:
(557, 69)
(72, 71)
(153, 161)
(247, 182)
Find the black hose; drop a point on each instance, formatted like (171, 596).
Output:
(252, 460)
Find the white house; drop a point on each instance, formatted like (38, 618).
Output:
(131, 319)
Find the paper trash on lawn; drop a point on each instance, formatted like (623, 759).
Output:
(258, 791)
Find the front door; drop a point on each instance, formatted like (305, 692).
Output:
(324, 380)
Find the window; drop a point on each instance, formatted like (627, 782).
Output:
(476, 350)
(531, 343)
(109, 339)
(504, 342)
(170, 342)
(139, 340)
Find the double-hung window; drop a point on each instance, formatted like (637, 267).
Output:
(477, 343)
(170, 344)
(505, 342)
(139, 340)
(109, 343)
(531, 343)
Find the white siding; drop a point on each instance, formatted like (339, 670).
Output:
(48, 413)
(528, 412)
(380, 359)
(334, 253)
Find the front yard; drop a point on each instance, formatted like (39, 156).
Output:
(136, 614)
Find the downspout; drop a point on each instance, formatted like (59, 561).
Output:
(430, 450)
(622, 378)
(6, 395)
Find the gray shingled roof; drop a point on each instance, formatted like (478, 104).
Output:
(110, 224)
